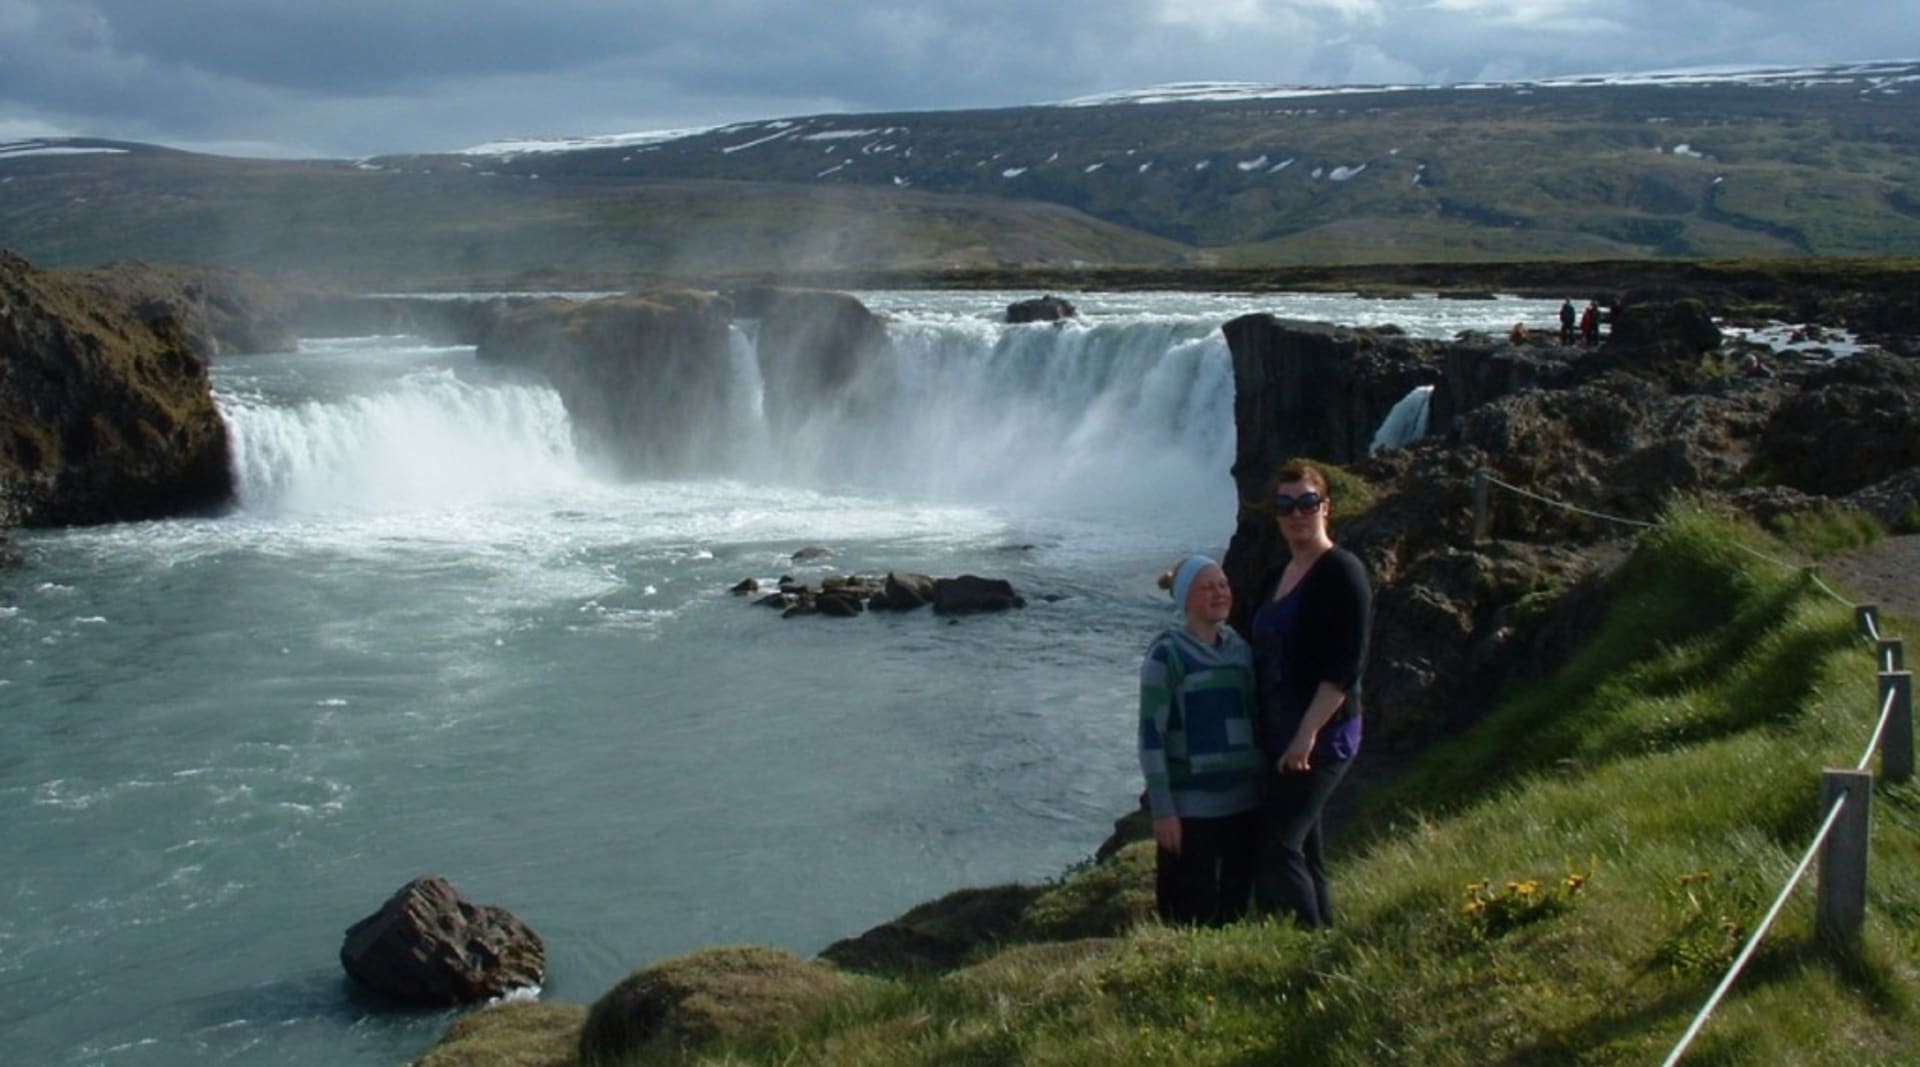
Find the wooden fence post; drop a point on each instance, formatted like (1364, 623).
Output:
(1480, 517)
(1841, 906)
(1896, 744)
(1892, 653)
(1868, 616)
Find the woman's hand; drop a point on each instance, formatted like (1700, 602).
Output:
(1166, 833)
(1298, 756)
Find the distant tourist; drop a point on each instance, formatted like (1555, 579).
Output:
(1310, 648)
(1517, 335)
(1590, 324)
(1197, 751)
(1566, 321)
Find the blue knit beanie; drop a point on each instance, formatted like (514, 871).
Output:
(1183, 580)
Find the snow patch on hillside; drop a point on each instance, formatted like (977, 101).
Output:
(25, 149)
(581, 144)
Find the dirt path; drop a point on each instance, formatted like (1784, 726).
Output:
(1887, 574)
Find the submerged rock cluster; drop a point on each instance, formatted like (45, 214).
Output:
(848, 595)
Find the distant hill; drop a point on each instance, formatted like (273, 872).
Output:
(1806, 162)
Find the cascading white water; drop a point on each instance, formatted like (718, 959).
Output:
(1110, 415)
(1407, 422)
(428, 441)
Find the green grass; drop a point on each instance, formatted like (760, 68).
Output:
(1827, 528)
(1563, 884)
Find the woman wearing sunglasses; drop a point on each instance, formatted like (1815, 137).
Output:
(1309, 636)
(1197, 751)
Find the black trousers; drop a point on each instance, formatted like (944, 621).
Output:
(1292, 879)
(1209, 882)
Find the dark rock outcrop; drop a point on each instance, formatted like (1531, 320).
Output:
(845, 596)
(1041, 309)
(429, 945)
(1852, 424)
(1649, 321)
(106, 408)
(1621, 431)
(904, 592)
(645, 378)
(819, 353)
(970, 593)
(219, 311)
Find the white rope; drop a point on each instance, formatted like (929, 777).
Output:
(1561, 504)
(1839, 802)
(1825, 588)
(1753, 942)
(1880, 729)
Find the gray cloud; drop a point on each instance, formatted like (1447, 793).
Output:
(357, 77)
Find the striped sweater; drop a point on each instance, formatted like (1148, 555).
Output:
(1196, 726)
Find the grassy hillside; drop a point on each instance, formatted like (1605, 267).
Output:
(1820, 166)
(343, 223)
(1562, 885)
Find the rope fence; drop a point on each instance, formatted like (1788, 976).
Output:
(1840, 847)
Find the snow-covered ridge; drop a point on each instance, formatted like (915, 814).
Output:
(1878, 75)
(577, 144)
(53, 147)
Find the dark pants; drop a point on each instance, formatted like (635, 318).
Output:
(1292, 879)
(1209, 882)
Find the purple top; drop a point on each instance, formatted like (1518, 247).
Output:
(1276, 628)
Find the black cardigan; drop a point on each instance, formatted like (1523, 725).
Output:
(1336, 616)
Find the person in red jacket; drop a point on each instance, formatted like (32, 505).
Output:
(1590, 324)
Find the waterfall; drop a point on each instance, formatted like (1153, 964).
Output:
(1407, 422)
(1126, 413)
(1115, 413)
(428, 440)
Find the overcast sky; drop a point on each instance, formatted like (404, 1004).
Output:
(348, 78)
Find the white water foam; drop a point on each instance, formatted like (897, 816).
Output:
(430, 441)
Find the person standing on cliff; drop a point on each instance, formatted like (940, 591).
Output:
(1566, 321)
(1590, 324)
(1310, 637)
(1197, 753)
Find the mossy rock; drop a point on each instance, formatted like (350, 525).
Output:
(938, 935)
(731, 995)
(520, 1034)
(1100, 901)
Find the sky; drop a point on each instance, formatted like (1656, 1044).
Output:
(355, 78)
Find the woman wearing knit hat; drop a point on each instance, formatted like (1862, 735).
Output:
(1197, 752)
(1309, 630)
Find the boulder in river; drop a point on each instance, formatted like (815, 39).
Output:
(1041, 309)
(429, 945)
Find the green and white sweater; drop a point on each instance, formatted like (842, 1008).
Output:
(1196, 726)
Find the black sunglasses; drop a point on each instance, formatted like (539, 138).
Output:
(1306, 503)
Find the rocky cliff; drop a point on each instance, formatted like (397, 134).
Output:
(1656, 413)
(106, 409)
(643, 377)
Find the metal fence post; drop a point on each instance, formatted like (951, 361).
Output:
(1896, 744)
(1841, 907)
(1868, 616)
(1892, 653)
(1480, 516)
